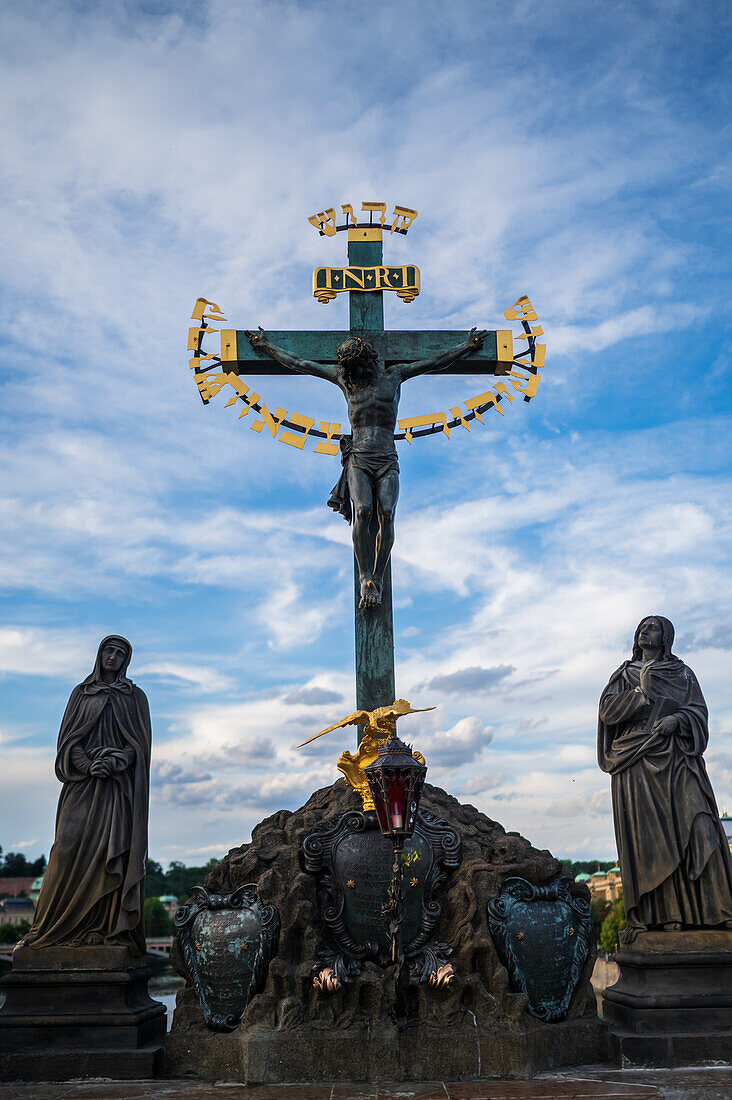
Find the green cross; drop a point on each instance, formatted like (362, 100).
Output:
(374, 628)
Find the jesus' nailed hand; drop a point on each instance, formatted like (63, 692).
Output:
(370, 478)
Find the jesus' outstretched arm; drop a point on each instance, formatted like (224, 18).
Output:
(294, 362)
(438, 362)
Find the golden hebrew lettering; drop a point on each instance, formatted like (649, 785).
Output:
(530, 383)
(210, 384)
(376, 206)
(457, 413)
(473, 404)
(407, 217)
(273, 422)
(194, 338)
(348, 211)
(325, 221)
(522, 306)
(236, 383)
(405, 281)
(536, 330)
(294, 438)
(200, 308)
(503, 392)
(324, 446)
(203, 387)
(423, 422)
(249, 400)
(539, 355)
(194, 364)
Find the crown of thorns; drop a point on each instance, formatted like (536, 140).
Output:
(353, 348)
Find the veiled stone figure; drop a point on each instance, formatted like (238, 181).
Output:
(674, 859)
(93, 889)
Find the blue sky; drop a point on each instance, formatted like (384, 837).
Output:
(154, 153)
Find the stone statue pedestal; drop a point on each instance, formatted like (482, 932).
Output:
(79, 1012)
(672, 1003)
(477, 1026)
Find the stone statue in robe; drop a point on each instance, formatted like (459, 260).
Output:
(93, 891)
(674, 858)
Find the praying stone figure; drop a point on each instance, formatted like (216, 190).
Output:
(370, 479)
(674, 858)
(93, 890)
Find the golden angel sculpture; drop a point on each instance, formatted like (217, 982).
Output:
(379, 725)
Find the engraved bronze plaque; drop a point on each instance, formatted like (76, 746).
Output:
(365, 859)
(352, 863)
(542, 934)
(227, 943)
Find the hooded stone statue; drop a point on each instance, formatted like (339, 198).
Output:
(674, 859)
(93, 890)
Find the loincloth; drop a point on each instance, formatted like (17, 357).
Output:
(376, 464)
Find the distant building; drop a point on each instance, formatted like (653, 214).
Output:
(15, 887)
(16, 910)
(36, 889)
(170, 904)
(603, 885)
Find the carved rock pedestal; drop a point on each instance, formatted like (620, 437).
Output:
(672, 1003)
(476, 1026)
(79, 1012)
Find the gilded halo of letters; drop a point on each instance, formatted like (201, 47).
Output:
(330, 281)
(519, 369)
(326, 222)
(521, 374)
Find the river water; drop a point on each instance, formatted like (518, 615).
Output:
(164, 987)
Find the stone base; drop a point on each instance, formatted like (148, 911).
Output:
(381, 1053)
(79, 1012)
(672, 1003)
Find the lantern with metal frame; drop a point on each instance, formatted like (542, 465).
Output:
(395, 780)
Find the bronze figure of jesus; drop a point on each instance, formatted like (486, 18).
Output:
(370, 478)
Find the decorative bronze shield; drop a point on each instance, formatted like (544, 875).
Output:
(227, 943)
(352, 862)
(542, 934)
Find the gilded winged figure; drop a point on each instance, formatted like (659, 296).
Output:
(379, 725)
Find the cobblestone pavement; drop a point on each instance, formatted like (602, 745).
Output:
(595, 1083)
(704, 1083)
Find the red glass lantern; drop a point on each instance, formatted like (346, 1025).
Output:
(395, 780)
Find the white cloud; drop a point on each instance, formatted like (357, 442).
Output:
(581, 806)
(534, 543)
(461, 744)
(36, 651)
(205, 679)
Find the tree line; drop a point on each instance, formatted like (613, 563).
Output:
(607, 919)
(177, 881)
(15, 865)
